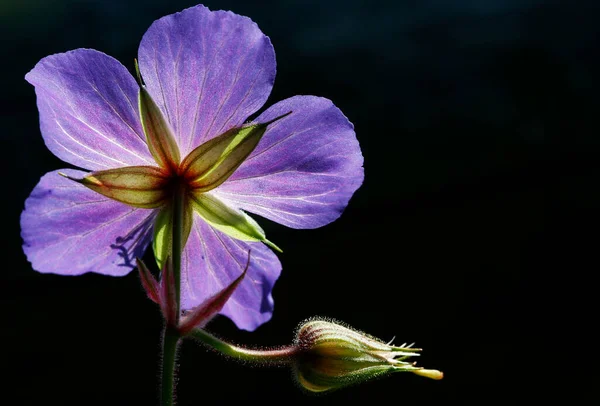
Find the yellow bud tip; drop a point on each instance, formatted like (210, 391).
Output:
(64, 175)
(429, 373)
(88, 180)
(272, 246)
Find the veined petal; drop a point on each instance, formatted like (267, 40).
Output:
(137, 186)
(88, 110)
(159, 135)
(209, 165)
(234, 223)
(304, 170)
(69, 229)
(211, 261)
(208, 71)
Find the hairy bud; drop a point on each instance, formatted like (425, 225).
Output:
(331, 356)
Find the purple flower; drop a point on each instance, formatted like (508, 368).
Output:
(205, 73)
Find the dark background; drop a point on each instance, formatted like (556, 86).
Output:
(474, 234)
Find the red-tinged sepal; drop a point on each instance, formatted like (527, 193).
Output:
(145, 187)
(162, 293)
(168, 295)
(149, 283)
(202, 314)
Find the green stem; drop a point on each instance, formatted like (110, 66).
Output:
(177, 247)
(278, 356)
(171, 335)
(170, 340)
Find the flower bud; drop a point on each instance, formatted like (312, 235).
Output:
(331, 356)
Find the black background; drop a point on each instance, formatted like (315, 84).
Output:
(474, 234)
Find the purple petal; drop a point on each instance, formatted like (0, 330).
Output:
(208, 71)
(304, 170)
(211, 261)
(69, 229)
(88, 110)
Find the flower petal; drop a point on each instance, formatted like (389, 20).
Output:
(69, 229)
(88, 110)
(208, 71)
(305, 168)
(211, 261)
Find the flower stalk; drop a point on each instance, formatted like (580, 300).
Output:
(169, 357)
(284, 355)
(178, 210)
(171, 335)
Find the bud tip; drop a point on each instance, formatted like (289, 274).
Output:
(276, 118)
(272, 246)
(429, 373)
(64, 175)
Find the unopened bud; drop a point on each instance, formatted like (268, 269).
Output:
(331, 356)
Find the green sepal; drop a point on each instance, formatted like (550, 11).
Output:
(162, 242)
(234, 223)
(213, 162)
(138, 186)
(159, 135)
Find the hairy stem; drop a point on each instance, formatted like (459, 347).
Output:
(171, 335)
(178, 202)
(169, 355)
(279, 356)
